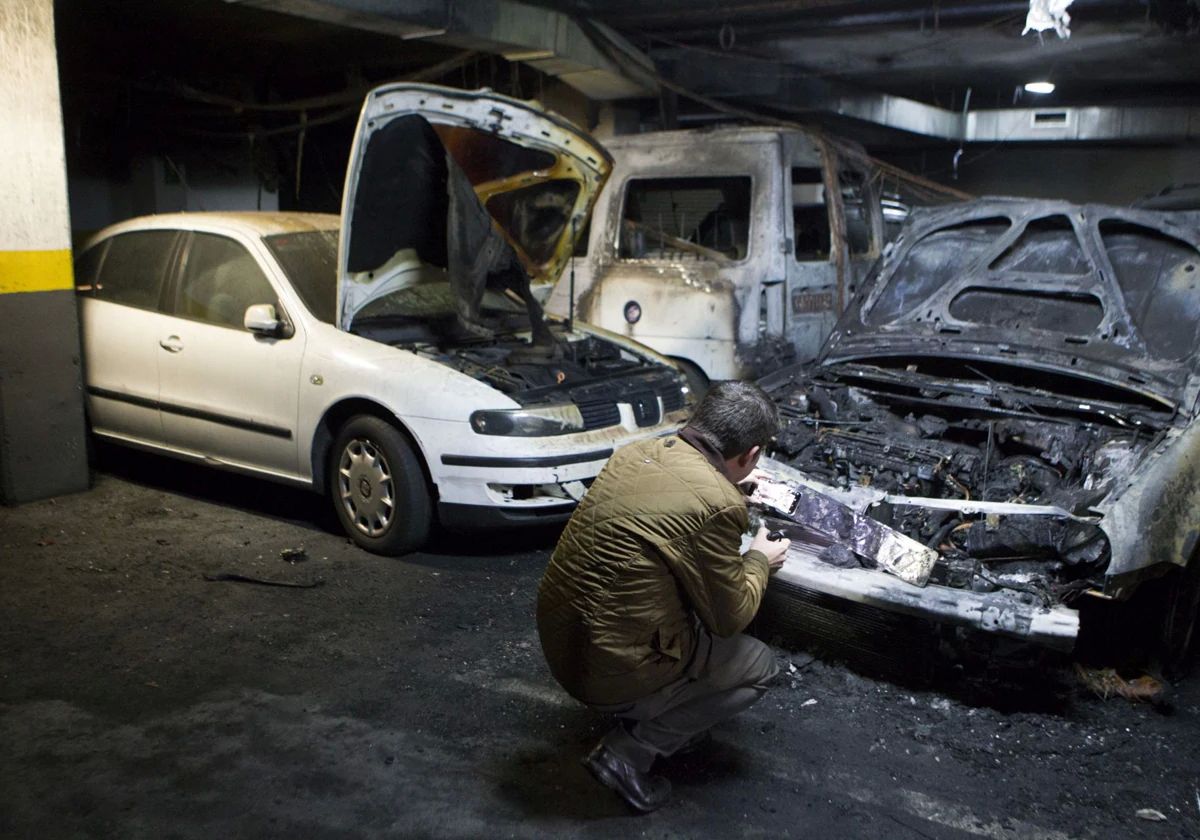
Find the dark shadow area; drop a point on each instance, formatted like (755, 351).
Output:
(219, 487)
(973, 668)
(446, 548)
(551, 782)
(489, 543)
(1127, 637)
(714, 762)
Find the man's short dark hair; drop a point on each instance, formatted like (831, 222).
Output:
(735, 416)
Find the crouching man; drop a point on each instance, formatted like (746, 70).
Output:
(642, 607)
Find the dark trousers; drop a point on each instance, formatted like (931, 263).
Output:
(724, 677)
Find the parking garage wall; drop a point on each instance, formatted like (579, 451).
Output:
(42, 451)
(1101, 174)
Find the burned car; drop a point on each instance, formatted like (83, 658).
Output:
(1009, 403)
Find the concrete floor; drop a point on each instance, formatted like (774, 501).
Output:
(408, 698)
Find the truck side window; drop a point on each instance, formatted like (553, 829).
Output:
(858, 217)
(671, 218)
(810, 217)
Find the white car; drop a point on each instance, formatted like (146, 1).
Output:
(410, 375)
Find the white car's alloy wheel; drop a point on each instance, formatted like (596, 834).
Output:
(366, 489)
(378, 488)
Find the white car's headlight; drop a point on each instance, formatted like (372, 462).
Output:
(529, 422)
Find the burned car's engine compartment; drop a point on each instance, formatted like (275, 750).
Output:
(939, 429)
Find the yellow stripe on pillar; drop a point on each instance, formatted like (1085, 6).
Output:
(35, 271)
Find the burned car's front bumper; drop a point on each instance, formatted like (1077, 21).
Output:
(1006, 613)
(903, 587)
(500, 481)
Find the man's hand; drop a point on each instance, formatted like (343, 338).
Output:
(775, 550)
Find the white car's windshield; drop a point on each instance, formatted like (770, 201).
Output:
(310, 261)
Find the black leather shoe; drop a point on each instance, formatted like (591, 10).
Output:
(641, 791)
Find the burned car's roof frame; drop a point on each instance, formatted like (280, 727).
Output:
(1114, 352)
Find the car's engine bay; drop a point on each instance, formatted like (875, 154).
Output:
(907, 433)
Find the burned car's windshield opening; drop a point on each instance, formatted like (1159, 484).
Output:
(922, 375)
(310, 261)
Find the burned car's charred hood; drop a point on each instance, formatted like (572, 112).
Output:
(1097, 292)
(490, 191)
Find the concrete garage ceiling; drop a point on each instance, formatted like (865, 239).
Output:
(913, 81)
(910, 67)
(1118, 50)
(915, 66)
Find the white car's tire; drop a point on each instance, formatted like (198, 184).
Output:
(378, 488)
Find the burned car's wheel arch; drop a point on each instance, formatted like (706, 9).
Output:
(335, 417)
(1155, 524)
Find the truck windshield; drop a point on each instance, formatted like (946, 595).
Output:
(673, 218)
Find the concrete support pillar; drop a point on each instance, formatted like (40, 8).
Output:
(42, 434)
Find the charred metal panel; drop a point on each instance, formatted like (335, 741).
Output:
(1154, 519)
(818, 521)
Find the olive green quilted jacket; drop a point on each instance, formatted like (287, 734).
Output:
(653, 543)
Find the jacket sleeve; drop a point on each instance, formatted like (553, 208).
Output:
(725, 587)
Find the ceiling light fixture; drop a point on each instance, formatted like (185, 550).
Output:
(1039, 87)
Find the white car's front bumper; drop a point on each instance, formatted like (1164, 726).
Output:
(511, 480)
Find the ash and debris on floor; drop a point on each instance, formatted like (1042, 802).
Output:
(407, 697)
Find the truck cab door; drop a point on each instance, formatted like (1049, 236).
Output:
(815, 298)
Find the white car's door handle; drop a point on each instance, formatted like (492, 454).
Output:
(171, 344)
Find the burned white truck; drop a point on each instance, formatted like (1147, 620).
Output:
(1013, 391)
(731, 250)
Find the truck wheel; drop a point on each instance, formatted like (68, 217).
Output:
(1180, 610)
(377, 487)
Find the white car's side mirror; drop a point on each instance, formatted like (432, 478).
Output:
(261, 319)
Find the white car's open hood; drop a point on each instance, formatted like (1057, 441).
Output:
(465, 186)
